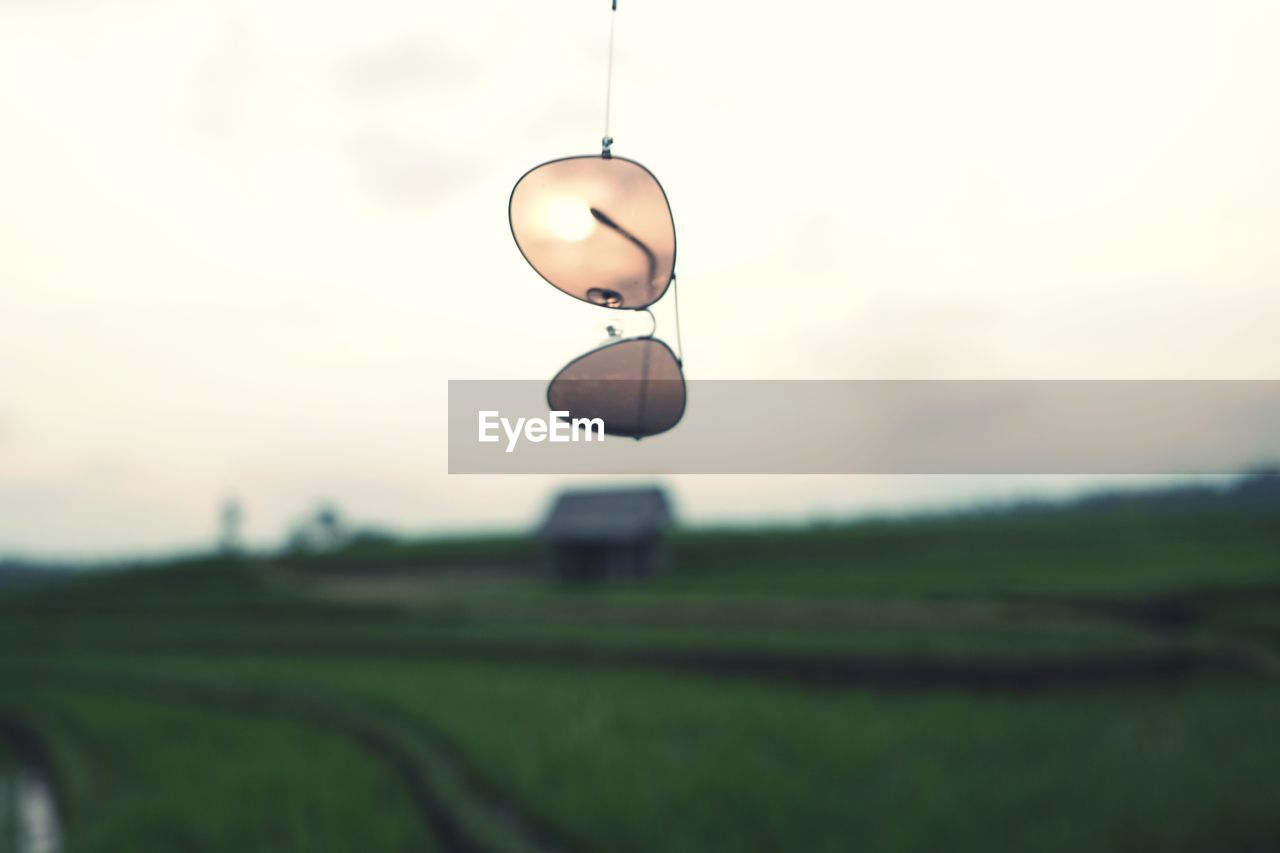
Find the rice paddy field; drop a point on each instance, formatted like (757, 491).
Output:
(1053, 681)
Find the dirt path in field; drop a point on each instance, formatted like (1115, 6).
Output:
(41, 809)
(826, 669)
(463, 814)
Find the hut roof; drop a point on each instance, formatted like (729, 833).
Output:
(613, 515)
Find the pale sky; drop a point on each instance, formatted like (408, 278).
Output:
(244, 245)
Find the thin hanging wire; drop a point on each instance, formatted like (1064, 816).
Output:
(607, 140)
(675, 296)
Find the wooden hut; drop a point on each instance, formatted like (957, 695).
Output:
(607, 534)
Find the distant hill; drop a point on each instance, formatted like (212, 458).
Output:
(16, 573)
(1253, 493)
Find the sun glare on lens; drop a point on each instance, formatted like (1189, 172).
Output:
(569, 219)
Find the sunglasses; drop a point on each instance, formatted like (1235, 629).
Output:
(599, 228)
(635, 386)
(596, 228)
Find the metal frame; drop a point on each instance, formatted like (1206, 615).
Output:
(665, 199)
(684, 397)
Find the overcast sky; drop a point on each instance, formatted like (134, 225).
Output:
(243, 245)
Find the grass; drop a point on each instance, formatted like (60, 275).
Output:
(1010, 639)
(648, 760)
(149, 775)
(509, 693)
(10, 825)
(1071, 554)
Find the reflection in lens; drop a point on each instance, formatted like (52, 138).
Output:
(598, 228)
(635, 386)
(569, 219)
(607, 298)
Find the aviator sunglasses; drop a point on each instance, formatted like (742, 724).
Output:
(599, 228)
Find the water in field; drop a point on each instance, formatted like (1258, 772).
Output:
(28, 811)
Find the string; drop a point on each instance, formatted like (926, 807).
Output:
(675, 296)
(608, 141)
(608, 84)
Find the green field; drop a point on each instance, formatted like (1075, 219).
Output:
(1046, 681)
